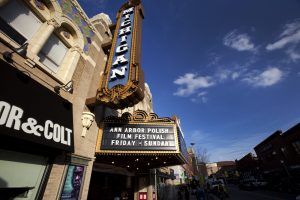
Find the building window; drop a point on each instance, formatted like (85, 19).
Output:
(18, 22)
(53, 53)
(296, 146)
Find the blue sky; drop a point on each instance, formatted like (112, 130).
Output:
(230, 70)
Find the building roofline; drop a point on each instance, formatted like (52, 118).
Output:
(272, 136)
(291, 130)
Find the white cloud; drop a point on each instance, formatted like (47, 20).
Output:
(291, 28)
(293, 54)
(201, 98)
(223, 74)
(235, 75)
(240, 42)
(266, 78)
(190, 83)
(290, 35)
(201, 94)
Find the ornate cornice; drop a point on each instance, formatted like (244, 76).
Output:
(54, 22)
(139, 116)
(76, 48)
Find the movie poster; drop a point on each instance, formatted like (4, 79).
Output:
(72, 186)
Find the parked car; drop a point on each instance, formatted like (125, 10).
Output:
(216, 183)
(251, 184)
(218, 188)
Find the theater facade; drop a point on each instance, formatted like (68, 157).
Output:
(76, 117)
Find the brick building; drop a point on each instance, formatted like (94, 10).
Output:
(279, 158)
(248, 166)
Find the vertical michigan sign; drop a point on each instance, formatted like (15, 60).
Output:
(122, 84)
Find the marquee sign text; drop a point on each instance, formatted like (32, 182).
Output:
(121, 59)
(138, 137)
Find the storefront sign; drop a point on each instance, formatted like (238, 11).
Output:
(138, 137)
(29, 111)
(122, 82)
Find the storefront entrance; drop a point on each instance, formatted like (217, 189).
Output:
(106, 186)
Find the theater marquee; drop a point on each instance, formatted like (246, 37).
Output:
(122, 83)
(136, 136)
(140, 141)
(140, 133)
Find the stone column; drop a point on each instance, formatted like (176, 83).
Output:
(39, 40)
(69, 63)
(150, 187)
(149, 192)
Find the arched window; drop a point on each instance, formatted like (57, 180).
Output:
(55, 42)
(53, 52)
(17, 22)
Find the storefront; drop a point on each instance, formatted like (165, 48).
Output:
(36, 125)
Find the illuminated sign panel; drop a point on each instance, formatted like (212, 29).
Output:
(121, 58)
(122, 83)
(140, 141)
(138, 137)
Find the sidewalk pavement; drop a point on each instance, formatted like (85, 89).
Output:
(209, 197)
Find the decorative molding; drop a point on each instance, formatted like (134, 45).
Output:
(87, 119)
(138, 116)
(76, 48)
(73, 11)
(54, 22)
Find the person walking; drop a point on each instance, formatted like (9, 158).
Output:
(179, 193)
(186, 193)
(200, 193)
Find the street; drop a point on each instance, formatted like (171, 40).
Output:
(237, 194)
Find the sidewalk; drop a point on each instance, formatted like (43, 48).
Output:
(210, 197)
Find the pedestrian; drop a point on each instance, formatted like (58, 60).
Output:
(200, 193)
(186, 193)
(179, 193)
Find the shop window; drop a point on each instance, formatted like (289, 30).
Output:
(18, 22)
(296, 146)
(53, 53)
(20, 174)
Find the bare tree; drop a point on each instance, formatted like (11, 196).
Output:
(202, 155)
